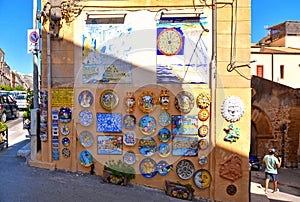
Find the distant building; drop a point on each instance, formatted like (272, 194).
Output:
(4, 70)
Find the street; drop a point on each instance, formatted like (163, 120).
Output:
(16, 133)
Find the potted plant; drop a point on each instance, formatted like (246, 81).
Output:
(118, 173)
(179, 190)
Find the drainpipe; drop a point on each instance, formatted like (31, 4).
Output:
(49, 90)
(272, 63)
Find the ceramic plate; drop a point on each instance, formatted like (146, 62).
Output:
(109, 99)
(86, 138)
(203, 114)
(184, 102)
(148, 168)
(85, 98)
(147, 146)
(185, 169)
(129, 138)
(164, 135)
(203, 144)
(65, 141)
(65, 130)
(147, 125)
(85, 117)
(164, 149)
(86, 158)
(66, 152)
(163, 168)
(147, 101)
(164, 119)
(129, 121)
(129, 157)
(202, 179)
(65, 115)
(203, 160)
(203, 130)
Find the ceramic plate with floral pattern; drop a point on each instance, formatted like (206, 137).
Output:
(129, 121)
(129, 157)
(86, 138)
(164, 119)
(85, 117)
(148, 167)
(65, 130)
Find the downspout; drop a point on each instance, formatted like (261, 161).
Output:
(272, 63)
(49, 92)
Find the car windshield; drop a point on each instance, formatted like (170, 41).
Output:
(21, 97)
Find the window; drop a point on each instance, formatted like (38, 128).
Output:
(260, 71)
(281, 71)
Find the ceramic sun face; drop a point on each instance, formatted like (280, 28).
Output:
(232, 109)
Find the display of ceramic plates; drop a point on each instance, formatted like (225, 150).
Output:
(65, 115)
(147, 146)
(163, 168)
(129, 121)
(203, 114)
(109, 99)
(203, 130)
(147, 125)
(129, 157)
(203, 144)
(147, 101)
(85, 98)
(129, 138)
(65, 130)
(185, 169)
(86, 138)
(202, 179)
(164, 135)
(86, 158)
(148, 167)
(85, 117)
(184, 102)
(65, 141)
(164, 119)
(203, 160)
(66, 152)
(164, 149)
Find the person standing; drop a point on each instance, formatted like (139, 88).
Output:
(272, 163)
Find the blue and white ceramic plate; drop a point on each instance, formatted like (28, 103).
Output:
(148, 167)
(109, 99)
(129, 121)
(85, 117)
(129, 157)
(65, 130)
(85, 98)
(129, 138)
(86, 138)
(164, 119)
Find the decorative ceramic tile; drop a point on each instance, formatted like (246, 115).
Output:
(164, 119)
(184, 125)
(85, 117)
(109, 99)
(147, 101)
(163, 168)
(185, 146)
(164, 135)
(65, 114)
(85, 98)
(129, 138)
(129, 121)
(231, 168)
(232, 109)
(86, 158)
(185, 169)
(129, 157)
(202, 179)
(147, 125)
(232, 134)
(147, 146)
(86, 138)
(147, 167)
(184, 102)
(111, 144)
(109, 123)
(164, 149)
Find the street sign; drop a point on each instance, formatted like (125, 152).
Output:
(33, 37)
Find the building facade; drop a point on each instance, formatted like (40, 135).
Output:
(168, 61)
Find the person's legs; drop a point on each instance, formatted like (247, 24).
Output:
(268, 176)
(275, 189)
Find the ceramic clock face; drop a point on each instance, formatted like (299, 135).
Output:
(169, 42)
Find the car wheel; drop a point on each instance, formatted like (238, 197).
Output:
(4, 118)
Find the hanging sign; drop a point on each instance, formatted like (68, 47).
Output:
(33, 37)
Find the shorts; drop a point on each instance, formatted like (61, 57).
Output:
(274, 177)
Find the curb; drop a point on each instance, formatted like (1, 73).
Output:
(24, 151)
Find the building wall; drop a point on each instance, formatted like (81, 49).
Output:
(66, 72)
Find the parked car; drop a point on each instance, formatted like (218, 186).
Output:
(8, 107)
(22, 101)
(254, 162)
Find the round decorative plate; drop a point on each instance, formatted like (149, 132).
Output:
(164, 119)
(184, 102)
(203, 144)
(164, 134)
(86, 158)
(86, 138)
(231, 189)
(129, 138)
(203, 114)
(169, 41)
(163, 168)
(65, 115)
(109, 99)
(65, 130)
(203, 130)
(203, 160)
(147, 125)
(85, 117)
(203, 100)
(185, 169)
(85, 98)
(147, 146)
(129, 121)
(66, 152)
(164, 149)
(129, 157)
(65, 141)
(148, 167)
(202, 179)
(147, 101)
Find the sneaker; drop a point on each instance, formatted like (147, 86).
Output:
(266, 192)
(277, 190)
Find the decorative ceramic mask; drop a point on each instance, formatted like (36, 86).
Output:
(164, 99)
(129, 102)
(203, 100)
(232, 109)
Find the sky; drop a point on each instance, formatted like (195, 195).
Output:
(16, 19)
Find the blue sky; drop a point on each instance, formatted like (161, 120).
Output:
(16, 19)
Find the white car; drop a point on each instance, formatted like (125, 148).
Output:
(22, 102)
